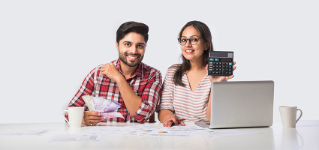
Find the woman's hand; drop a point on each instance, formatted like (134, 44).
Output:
(174, 120)
(220, 78)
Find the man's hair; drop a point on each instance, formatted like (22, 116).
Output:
(132, 26)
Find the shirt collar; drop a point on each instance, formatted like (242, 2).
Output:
(139, 70)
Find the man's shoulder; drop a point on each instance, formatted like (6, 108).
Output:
(150, 70)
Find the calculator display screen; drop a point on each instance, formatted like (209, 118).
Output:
(225, 59)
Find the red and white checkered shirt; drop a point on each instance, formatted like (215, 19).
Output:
(146, 83)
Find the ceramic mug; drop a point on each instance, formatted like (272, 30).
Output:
(288, 116)
(75, 115)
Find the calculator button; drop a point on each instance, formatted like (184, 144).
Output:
(216, 59)
(230, 64)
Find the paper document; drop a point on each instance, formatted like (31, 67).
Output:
(26, 132)
(103, 131)
(74, 137)
(222, 132)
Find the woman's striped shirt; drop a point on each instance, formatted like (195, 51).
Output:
(187, 104)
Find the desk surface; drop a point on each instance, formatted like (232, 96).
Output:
(305, 136)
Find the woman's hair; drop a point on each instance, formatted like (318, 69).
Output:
(206, 36)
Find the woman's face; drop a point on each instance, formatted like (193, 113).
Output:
(192, 52)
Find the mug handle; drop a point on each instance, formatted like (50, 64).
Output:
(67, 119)
(300, 115)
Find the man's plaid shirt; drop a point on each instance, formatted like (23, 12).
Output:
(146, 83)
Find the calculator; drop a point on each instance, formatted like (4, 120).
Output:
(220, 63)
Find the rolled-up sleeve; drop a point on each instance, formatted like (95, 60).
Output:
(150, 98)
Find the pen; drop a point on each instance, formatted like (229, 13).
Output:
(178, 120)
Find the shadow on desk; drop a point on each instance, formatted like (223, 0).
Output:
(264, 141)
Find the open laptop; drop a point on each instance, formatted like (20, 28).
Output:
(236, 104)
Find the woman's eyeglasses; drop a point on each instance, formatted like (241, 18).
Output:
(193, 40)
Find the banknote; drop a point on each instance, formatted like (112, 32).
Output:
(105, 106)
(111, 106)
(112, 115)
(88, 102)
(98, 102)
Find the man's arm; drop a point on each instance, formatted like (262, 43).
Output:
(87, 88)
(150, 98)
(142, 107)
(131, 100)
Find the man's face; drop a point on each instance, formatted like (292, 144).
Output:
(131, 49)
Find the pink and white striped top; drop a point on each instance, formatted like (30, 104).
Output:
(187, 104)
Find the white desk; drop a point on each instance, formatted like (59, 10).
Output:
(305, 136)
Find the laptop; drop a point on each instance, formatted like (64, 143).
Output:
(237, 104)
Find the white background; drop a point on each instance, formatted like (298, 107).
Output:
(48, 47)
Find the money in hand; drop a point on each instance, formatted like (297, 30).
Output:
(106, 107)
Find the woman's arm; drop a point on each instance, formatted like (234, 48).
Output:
(164, 115)
(166, 107)
(216, 79)
(208, 109)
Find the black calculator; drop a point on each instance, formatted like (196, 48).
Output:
(220, 63)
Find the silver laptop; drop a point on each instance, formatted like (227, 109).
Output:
(237, 104)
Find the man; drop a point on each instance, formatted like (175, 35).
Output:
(128, 81)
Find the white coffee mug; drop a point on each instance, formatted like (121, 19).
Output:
(288, 116)
(75, 115)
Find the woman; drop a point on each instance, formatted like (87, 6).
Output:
(186, 88)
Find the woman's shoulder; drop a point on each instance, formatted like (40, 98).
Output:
(174, 67)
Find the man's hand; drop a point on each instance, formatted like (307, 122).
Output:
(220, 78)
(110, 71)
(92, 118)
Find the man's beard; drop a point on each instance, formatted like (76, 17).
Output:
(130, 64)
